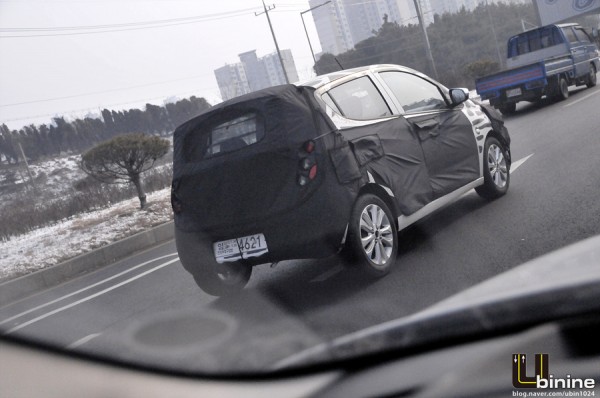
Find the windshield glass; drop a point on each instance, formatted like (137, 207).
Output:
(180, 191)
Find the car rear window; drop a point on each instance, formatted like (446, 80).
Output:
(225, 135)
(534, 40)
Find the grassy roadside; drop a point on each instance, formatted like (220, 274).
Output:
(48, 246)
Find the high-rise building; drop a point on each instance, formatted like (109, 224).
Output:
(254, 73)
(274, 71)
(232, 81)
(343, 23)
(332, 26)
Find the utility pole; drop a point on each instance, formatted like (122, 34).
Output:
(427, 45)
(524, 24)
(500, 60)
(28, 169)
(271, 7)
(306, 31)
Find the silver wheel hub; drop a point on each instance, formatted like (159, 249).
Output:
(497, 166)
(376, 234)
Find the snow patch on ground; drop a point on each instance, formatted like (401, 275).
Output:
(82, 233)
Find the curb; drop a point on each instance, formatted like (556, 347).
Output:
(23, 286)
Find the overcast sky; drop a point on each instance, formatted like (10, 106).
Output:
(62, 71)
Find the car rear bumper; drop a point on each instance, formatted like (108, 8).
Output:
(314, 229)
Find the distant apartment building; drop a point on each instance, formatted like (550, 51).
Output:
(253, 73)
(332, 26)
(274, 71)
(343, 23)
(232, 81)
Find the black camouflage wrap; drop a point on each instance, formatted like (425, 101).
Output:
(255, 190)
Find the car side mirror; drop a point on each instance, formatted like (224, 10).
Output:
(458, 95)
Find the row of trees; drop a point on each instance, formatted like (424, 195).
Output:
(462, 43)
(81, 134)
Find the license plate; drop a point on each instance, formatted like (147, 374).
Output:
(236, 249)
(513, 92)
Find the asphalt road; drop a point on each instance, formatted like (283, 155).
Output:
(133, 309)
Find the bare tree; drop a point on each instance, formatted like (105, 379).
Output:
(124, 159)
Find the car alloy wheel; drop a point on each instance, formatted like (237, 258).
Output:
(376, 234)
(372, 242)
(496, 170)
(496, 163)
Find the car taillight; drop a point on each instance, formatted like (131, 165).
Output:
(308, 164)
(309, 146)
(312, 173)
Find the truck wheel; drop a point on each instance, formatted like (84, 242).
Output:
(496, 173)
(372, 243)
(197, 258)
(562, 92)
(508, 108)
(591, 81)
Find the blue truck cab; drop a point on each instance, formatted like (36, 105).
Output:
(542, 62)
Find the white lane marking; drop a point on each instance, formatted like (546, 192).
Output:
(581, 99)
(82, 341)
(519, 163)
(328, 274)
(88, 298)
(85, 288)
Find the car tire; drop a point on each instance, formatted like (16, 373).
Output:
(496, 170)
(216, 279)
(232, 278)
(508, 108)
(562, 89)
(372, 241)
(591, 81)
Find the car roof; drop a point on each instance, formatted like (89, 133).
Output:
(564, 25)
(321, 80)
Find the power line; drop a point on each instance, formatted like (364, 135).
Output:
(101, 92)
(126, 27)
(120, 25)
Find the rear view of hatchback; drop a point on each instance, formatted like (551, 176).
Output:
(251, 186)
(340, 163)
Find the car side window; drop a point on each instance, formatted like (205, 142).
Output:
(359, 99)
(414, 93)
(327, 99)
(582, 35)
(570, 35)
